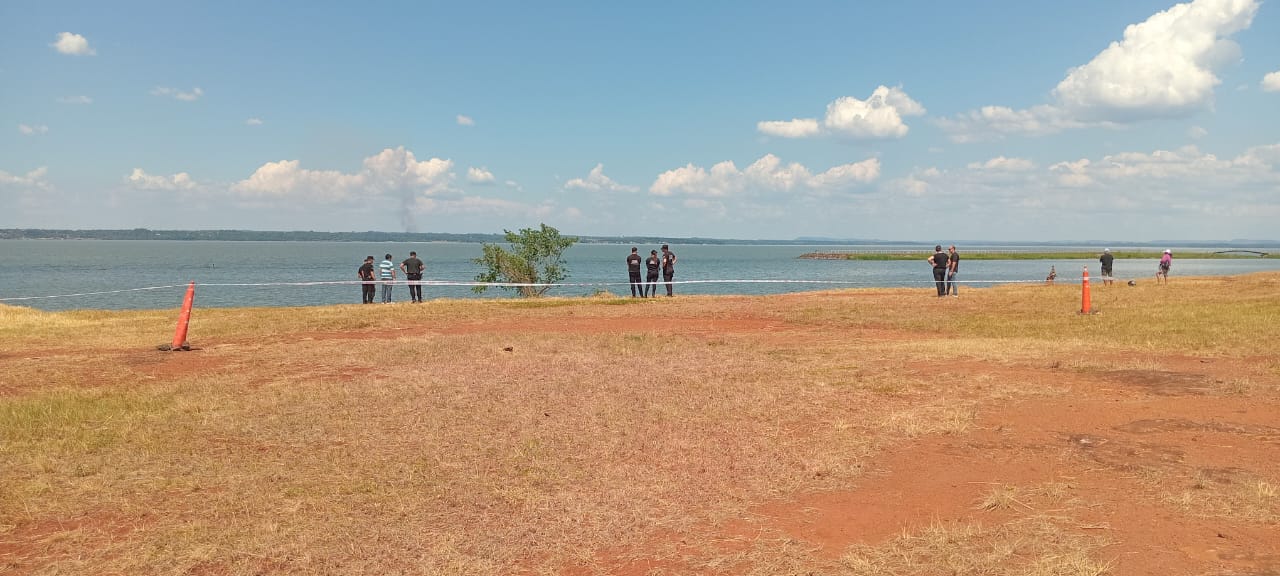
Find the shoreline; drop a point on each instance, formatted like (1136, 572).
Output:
(1024, 255)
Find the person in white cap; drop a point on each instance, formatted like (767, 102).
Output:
(1162, 273)
(1107, 259)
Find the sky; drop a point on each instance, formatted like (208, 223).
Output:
(911, 120)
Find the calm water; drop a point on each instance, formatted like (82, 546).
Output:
(55, 267)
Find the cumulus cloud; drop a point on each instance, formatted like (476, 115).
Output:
(480, 176)
(253, 122)
(34, 179)
(877, 117)
(391, 172)
(190, 96)
(1002, 164)
(465, 120)
(596, 181)
(75, 100)
(140, 180)
(1162, 67)
(766, 175)
(1271, 82)
(73, 44)
(32, 129)
(1197, 132)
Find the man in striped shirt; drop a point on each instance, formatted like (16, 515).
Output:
(387, 274)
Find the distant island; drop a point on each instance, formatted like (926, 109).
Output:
(374, 236)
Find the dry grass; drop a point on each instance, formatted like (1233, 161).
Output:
(408, 439)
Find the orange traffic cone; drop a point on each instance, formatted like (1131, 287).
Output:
(1085, 308)
(184, 318)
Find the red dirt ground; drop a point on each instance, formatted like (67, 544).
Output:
(1094, 440)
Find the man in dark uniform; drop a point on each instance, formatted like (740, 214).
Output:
(367, 289)
(1107, 260)
(633, 271)
(413, 268)
(652, 264)
(668, 266)
(939, 263)
(953, 270)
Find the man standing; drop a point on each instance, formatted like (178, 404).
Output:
(1107, 260)
(387, 273)
(1166, 261)
(668, 266)
(652, 264)
(953, 269)
(413, 268)
(633, 271)
(367, 288)
(939, 263)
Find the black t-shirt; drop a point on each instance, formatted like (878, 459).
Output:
(633, 263)
(652, 264)
(939, 260)
(413, 266)
(366, 271)
(669, 262)
(1106, 260)
(954, 258)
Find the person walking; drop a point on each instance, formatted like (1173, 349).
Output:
(1162, 272)
(668, 267)
(413, 268)
(633, 271)
(1107, 260)
(367, 287)
(387, 274)
(652, 264)
(939, 263)
(953, 269)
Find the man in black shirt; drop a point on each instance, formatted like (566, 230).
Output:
(953, 269)
(652, 264)
(633, 271)
(413, 268)
(668, 266)
(939, 263)
(368, 288)
(1107, 260)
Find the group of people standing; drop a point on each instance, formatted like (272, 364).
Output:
(946, 266)
(649, 287)
(384, 273)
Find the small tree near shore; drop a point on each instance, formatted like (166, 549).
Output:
(535, 258)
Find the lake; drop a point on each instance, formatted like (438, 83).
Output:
(225, 271)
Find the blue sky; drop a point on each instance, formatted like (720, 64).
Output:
(930, 121)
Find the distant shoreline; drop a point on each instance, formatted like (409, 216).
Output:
(425, 237)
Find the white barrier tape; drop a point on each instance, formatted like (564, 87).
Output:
(526, 285)
(92, 293)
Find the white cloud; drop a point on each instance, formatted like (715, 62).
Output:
(140, 180)
(32, 129)
(1196, 132)
(596, 181)
(465, 120)
(33, 179)
(1164, 66)
(192, 95)
(73, 44)
(766, 175)
(1271, 82)
(797, 128)
(877, 117)
(1002, 164)
(253, 122)
(391, 172)
(480, 176)
(75, 100)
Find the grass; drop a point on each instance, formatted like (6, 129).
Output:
(399, 439)
(1021, 255)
